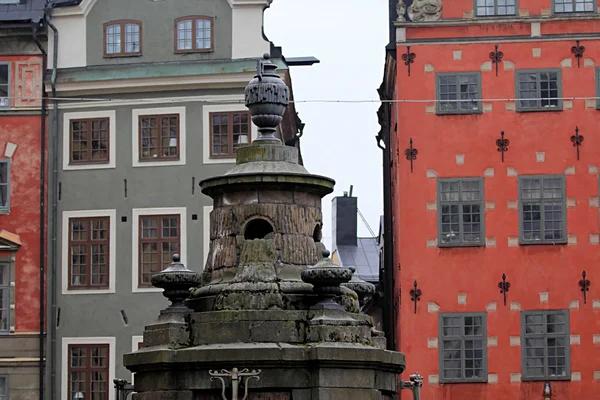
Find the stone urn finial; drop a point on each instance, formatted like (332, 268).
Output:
(176, 280)
(362, 288)
(267, 96)
(326, 278)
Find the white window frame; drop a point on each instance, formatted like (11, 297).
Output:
(135, 341)
(135, 241)
(206, 111)
(112, 257)
(66, 341)
(135, 131)
(206, 210)
(112, 139)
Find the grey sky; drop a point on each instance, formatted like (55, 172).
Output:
(349, 37)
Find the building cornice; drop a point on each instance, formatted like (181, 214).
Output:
(242, 3)
(83, 8)
(495, 21)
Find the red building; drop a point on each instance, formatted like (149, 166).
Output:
(21, 203)
(490, 181)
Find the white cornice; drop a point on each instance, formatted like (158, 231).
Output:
(83, 8)
(241, 3)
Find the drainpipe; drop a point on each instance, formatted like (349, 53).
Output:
(54, 214)
(43, 112)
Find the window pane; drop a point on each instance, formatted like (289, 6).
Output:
(4, 81)
(203, 34)
(132, 38)
(4, 184)
(113, 39)
(184, 35)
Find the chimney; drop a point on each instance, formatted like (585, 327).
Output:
(344, 225)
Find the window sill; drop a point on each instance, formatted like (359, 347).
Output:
(552, 378)
(5, 211)
(462, 381)
(88, 163)
(151, 160)
(222, 157)
(194, 51)
(123, 55)
(541, 243)
(88, 291)
(474, 112)
(549, 109)
(463, 245)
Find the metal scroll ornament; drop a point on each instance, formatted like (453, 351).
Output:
(504, 286)
(578, 51)
(267, 97)
(408, 58)
(411, 154)
(496, 57)
(237, 378)
(502, 144)
(577, 140)
(415, 295)
(584, 284)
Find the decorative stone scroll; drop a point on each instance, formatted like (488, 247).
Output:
(425, 10)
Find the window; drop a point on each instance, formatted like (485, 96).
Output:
(193, 34)
(159, 240)
(159, 137)
(542, 209)
(4, 85)
(488, 8)
(545, 345)
(89, 253)
(122, 38)
(574, 6)
(89, 140)
(4, 299)
(460, 212)
(539, 90)
(458, 93)
(3, 387)
(463, 347)
(598, 88)
(228, 131)
(88, 371)
(4, 185)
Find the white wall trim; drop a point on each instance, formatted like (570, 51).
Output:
(136, 113)
(82, 9)
(236, 98)
(247, 28)
(206, 210)
(214, 81)
(66, 341)
(112, 259)
(135, 236)
(135, 341)
(206, 110)
(112, 139)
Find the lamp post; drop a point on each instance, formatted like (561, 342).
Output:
(415, 384)
(547, 391)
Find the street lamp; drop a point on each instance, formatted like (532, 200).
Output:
(547, 391)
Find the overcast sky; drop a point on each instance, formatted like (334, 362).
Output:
(339, 139)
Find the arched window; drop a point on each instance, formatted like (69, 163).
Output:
(193, 33)
(258, 228)
(122, 38)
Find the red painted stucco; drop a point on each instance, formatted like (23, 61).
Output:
(443, 273)
(24, 216)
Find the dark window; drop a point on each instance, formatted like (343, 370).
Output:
(598, 88)
(487, 8)
(4, 185)
(460, 212)
(228, 131)
(159, 240)
(88, 371)
(4, 298)
(463, 347)
(3, 387)
(89, 253)
(122, 38)
(458, 93)
(574, 6)
(539, 90)
(542, 209)
(159, 137)
(193, 34)
(4, 86)
(545, 345)
(89, 140)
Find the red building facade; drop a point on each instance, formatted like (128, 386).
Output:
(501, 179)
(20, 211)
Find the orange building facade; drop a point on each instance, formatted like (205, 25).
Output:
(501, 179)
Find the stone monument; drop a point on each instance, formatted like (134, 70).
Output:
(270, 317)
